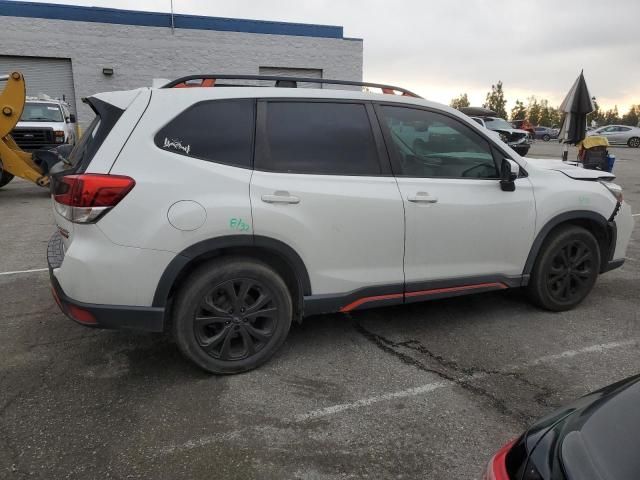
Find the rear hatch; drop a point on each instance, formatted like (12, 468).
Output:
(87, 155)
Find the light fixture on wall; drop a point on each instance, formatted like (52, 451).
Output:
(108, 71)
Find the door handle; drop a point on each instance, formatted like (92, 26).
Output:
(422, 197)
(281, 197)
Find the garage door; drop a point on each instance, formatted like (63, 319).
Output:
(295, 72)
(51, 76)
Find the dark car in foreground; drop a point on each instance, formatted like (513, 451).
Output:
(593, 438)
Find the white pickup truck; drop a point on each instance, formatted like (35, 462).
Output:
(45, 123)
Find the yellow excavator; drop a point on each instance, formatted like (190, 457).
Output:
(14, 162)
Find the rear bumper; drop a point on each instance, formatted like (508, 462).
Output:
(149, 319)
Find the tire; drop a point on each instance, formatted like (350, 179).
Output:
(634, 142)
(546, 137)
(5, 177)
(231, 292)
(566, 269)
(522, 151)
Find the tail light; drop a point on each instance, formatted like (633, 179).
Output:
(497, 468)
(512, 462)
(87, 197)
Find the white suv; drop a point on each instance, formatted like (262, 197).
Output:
(224, 214)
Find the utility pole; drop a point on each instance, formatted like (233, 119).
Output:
(173, 25)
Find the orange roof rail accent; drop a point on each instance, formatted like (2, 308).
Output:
(208, 80)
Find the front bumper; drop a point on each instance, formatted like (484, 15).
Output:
(149, 319)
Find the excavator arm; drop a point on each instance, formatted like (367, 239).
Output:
(13, 159)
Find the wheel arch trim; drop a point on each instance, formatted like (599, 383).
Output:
(565, 217)
(193, 252)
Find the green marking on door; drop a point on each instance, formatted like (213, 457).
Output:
(238, 224)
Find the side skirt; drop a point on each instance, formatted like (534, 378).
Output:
(386, 295)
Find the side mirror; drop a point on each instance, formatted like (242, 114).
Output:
(509, 171)
(72, 118)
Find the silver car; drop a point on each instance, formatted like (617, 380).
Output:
(619, 135)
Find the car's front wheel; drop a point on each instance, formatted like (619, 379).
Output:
(546, 137)
(231, 315)
(566, 269)
(634, 142)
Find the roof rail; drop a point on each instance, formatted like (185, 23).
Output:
(282, 82)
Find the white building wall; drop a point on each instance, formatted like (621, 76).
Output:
(138, 53)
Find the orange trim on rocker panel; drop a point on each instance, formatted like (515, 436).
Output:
(421, 293)
(360, 301)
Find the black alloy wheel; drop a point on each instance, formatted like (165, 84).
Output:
(571, 271)
(231, 314)
(236, 319)
(566, 268)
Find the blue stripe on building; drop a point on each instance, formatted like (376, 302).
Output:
(12, 8)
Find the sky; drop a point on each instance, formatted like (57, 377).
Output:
(442, 48)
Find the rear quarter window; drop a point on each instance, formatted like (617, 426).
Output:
(219, 131)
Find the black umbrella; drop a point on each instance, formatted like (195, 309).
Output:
(576, 106)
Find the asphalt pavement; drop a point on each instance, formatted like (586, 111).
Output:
(426, 391)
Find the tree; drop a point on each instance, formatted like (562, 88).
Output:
(460, 101)
(519, 111)
(612, 116)
(545, 113)
(632, 117)
(533, 110)
(495, 100)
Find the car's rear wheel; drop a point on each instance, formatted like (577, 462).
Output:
(546, 137)
(566, 269)
(231, 315)
(634, 142)
(5, 177)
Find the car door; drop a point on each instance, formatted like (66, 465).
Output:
(462, 230)
(320, 187)
(608, 132)
(621, 135)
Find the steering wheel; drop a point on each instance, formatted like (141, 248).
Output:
(490, 171)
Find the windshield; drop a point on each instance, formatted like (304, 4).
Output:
(497, 124)
(41, 112)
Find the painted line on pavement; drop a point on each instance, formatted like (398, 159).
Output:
(635, 214)
(323, 412)
(18, 272)
(365, 402)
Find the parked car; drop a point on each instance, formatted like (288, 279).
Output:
(594, 437)
(619, 135)
(545, 133)
(225, 214)
(518, 140)
(524, 125)
(45, 123)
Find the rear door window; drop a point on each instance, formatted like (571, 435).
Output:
(218, 131)
(317, 138)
